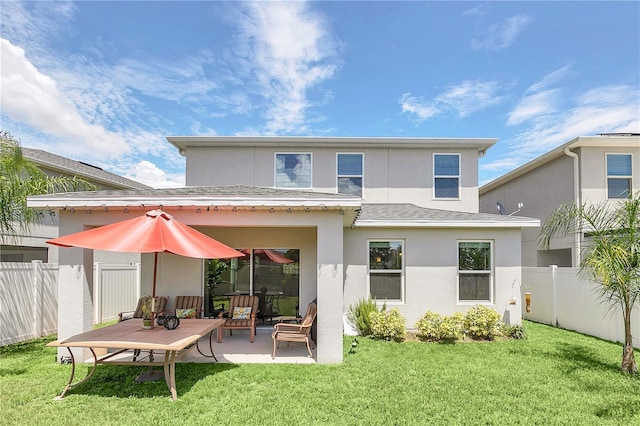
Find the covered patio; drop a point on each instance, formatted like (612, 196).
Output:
(241, 217)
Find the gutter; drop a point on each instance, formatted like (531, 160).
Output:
(577, 237)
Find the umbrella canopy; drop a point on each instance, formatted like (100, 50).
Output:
(155, 232)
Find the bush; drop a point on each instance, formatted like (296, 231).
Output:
(429, 326)
(388, 325)
(432, 326)
(360, 314)
(515, 331)
(452, 327)
(482, 322)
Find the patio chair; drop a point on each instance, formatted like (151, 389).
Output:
(160, 306)
(242, 314)
(267, 309)
(186, 307)
(288, 332)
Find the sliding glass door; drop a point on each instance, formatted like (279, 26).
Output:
(271, 274)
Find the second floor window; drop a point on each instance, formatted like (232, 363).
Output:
(446, 176)
(293, 170)
(619, 175)
(350, 174)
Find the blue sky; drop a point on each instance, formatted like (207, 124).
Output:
(106, 82)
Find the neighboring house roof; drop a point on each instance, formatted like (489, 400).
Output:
(300, 142)
(198, 196)
(72, 167)
(410, 215)
(630, 140)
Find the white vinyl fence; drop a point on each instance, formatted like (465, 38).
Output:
(559, 297)
(29, 297)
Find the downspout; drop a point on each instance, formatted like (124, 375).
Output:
(577, 237)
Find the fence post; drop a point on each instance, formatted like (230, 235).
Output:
(37, 296)
(97, 292)
(138, 281)
(554, 290)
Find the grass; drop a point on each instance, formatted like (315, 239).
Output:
(553, 377)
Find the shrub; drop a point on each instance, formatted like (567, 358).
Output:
(432, 326)
(429, 326)
(481, 322)
(360, 314)
(515, 331)
(452, 327)
(388, 325)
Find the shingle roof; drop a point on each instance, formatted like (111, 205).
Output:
(226, 191)
(405, 214)
(233, 195)
(72, 167)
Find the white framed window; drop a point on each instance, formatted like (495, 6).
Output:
(293, 170)
(446, 176)
(619, 175)
(350, 173)
(386, 270)
(475, 271)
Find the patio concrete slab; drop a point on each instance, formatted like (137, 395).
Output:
(238, 349)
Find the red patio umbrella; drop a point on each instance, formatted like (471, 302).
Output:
(155, 232)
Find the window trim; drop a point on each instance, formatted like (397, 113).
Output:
(338, 175)
(490, 271)
(275, 169)
(402, 299)
(607, 176)
(458, 176)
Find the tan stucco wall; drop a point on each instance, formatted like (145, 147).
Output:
(541, 190)
(390, 175)
(430, 257)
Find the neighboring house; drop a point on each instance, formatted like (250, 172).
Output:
(330, 219)
(33, 247)
(587, 169)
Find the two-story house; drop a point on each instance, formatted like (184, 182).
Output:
(587, 169)
(333, 219)
(26, 248)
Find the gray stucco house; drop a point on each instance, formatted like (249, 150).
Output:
(327, 218)
(33, 247)
(587, 169)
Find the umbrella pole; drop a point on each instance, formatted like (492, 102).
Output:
(153, 288)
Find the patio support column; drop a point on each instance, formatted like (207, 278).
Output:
(329, 291)
(75, 304)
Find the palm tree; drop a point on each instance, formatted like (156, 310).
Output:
(610, 257)
(20, 178)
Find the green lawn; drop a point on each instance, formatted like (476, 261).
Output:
(553, 377)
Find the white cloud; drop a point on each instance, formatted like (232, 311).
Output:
(540, 99)
(535, 105)
(464, 99)
(150, 174)
(552, 120)
(34, 98)
(289, 51)
(473, 11)
(502, 36)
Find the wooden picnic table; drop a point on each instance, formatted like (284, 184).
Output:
(129, 335)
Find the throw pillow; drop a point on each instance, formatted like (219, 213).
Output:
(241, 313)
(186, 313)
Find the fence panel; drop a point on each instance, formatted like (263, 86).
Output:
(116, 288)
(28, 301)
(561, 298)
(29, 297)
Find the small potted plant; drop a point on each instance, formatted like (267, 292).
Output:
(147, 307)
